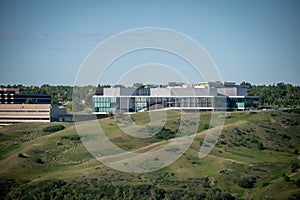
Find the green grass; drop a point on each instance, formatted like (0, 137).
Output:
(235, 155)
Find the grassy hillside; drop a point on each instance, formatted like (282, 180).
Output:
(252, 160)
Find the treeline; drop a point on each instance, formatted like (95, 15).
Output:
(279, 95)
(58, 189)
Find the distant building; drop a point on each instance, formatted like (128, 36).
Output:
(12, 96)
(7, 95)
(15, 107)
(200, 96)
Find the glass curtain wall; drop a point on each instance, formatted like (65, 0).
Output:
(105, 104)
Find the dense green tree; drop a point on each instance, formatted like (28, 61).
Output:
(281, 95)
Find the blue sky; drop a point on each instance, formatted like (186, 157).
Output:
(45, 42)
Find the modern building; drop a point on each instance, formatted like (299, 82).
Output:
(15, 107)
(202, 96)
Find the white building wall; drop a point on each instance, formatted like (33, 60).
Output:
(160, 92)
(190, 92)
(227, 91)
(111, 91)
(127, 91)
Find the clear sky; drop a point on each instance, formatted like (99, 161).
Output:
(45, 42)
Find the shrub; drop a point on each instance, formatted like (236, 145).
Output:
(206, 126)
(70, 137)
(54, 128)
(287, 179)
(260, 146)
(223, 142)
(21, 155)
(298, 182)
(265, 184)
(294, 167)
(247, 181)
(165, 134)
(254, 141)
(40, 161)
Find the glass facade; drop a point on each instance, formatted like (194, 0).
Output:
(236, 103)
(105, 104)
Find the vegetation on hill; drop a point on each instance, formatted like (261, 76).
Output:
(254, 158)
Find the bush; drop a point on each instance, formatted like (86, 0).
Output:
(70, 137)
(206, 126)
(21, 155)
(54, 128)
(294, 167)
(254, 141)
(287, 179)
(165, 134)
(265, 184)
(40, 161)
(260, 146)
(297, 182)
(247, 181)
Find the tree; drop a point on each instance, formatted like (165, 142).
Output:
(29, 101)
(246, 84)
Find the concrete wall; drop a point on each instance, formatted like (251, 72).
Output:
(119, 91)
(160, 92)
(190, 92)
(127, 91)
(57, 111)
(227, 91)
(111, 92)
